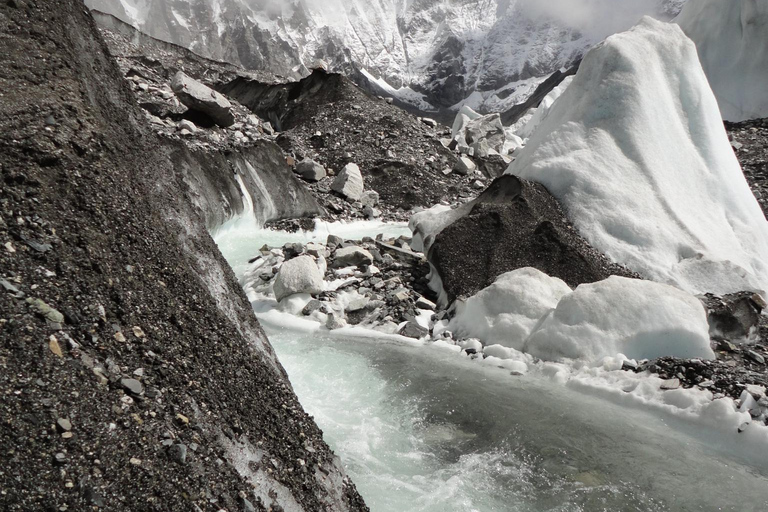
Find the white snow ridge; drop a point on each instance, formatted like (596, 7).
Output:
(732, 40)
(636, 152)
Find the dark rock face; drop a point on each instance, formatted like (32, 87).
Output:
(750, 143)
(514, 224)
(512, 115)
(92, 197)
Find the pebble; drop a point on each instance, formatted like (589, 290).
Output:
(63, 424)
(755, 356)
(132, 385)
(178, 453)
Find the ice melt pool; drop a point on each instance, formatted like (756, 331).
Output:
(421, 429)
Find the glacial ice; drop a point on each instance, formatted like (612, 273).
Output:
(506, 312)
(636, 152)
(639, 319)
(732, 41)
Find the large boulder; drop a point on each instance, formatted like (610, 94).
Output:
(513, 224)
(202, 98)
(299, 275)
(309, 170)
(349, 183)
(489, 129)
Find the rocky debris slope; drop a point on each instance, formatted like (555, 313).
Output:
(376, 283)
(228, 169)
(134, 374)
(749, 140)
(327, 119)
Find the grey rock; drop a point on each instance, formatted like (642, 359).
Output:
(423, 303)
(335, 322)
(349, 256)
(309, 170)
(429, 122)
(202, 98)
(178, 453)
(755, 357)
(349, 183)
(370, 198)
(292, 249)
(312, 306)
(299, 275)
(464, 166)
(413, 330)
(133, 386)
(357, 304)
(63, 425)
(334, 240)
(670, 384)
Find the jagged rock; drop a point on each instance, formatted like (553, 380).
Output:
(349, 183)
(349, 256)
(299, 275)
(513, 224)
(292, 249)
(309, 170)
(334, 240)
(202, 98)
(370, 198)
(413, 330)
(464, 166)
(335, 322)
(312, 306)
(735, 315)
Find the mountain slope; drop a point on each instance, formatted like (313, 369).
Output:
(485, 52)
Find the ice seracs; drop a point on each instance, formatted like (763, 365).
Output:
(639, 319)
(732, 41)
(636, 152)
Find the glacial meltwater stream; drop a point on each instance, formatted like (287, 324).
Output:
(422, 429)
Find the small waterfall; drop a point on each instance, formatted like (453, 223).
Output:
(265, 204)
(247, 199)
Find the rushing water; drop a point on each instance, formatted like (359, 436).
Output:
(421, 429)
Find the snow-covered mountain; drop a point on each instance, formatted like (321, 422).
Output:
(489, 54)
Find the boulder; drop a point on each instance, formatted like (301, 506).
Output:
(370, 198)
(413, 330)
(349, 183)
(202, 98)
(464, 166)
(309, 170)
(513, 224)
(299, 275)
(349, 256)
(734, 316)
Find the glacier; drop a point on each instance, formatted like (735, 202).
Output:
(636, 152)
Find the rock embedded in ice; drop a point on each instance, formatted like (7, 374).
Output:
(349, 183)
(732, 42)
(335, 322)
(464, 166)
(299, 275)
(351, 256)
(309, 170)
(639, 319)
(636, 152)
(202, 98)
(506, 312)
